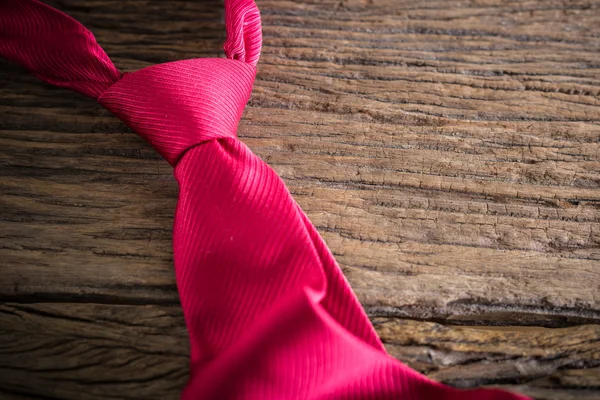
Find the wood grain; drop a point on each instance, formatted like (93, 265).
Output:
(92, 351)
(98, 351)
(447, 151)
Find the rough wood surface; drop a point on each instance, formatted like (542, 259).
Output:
(448, 151)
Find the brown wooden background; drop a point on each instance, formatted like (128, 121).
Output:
(448, 152)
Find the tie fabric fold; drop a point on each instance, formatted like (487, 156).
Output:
(269, 313)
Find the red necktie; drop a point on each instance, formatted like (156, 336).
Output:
(269, 313)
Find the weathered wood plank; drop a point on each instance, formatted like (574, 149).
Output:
(410, 143)
(91, 351)
(94, 351)
(540, 362)
(530, 352)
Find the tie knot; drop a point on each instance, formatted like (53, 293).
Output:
(178, 105)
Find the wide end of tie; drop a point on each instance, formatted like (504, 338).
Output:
(178, 105)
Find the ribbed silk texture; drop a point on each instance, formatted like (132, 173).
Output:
(269, 313)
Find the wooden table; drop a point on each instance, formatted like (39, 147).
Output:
(447, 151)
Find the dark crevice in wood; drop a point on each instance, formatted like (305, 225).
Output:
(479, 314)
(167, 297)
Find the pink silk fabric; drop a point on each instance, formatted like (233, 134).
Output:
(269, 312)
